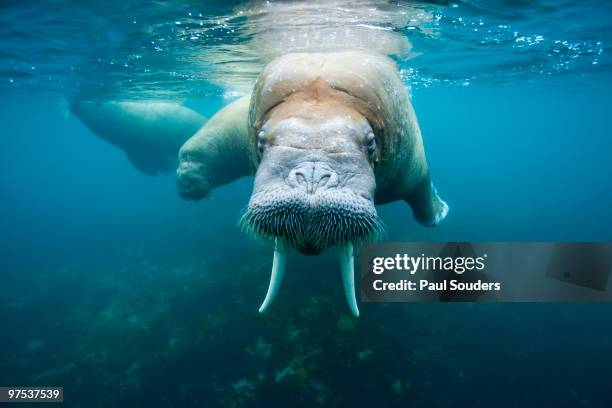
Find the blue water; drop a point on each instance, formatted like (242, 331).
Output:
(116, 289)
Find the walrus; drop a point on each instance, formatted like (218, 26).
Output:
(328, 135)
(149, 132)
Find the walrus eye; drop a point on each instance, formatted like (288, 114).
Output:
(371, 143)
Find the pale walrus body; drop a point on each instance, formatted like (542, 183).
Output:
(149, 132)
(367, 84)
(328, 135)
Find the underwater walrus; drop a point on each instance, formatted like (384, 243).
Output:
(149, 132)
(329, 135)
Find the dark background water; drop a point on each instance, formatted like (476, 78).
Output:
(114, 288)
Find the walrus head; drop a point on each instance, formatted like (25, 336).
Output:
(314, 187)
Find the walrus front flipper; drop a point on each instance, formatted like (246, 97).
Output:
(427, 206)
(217, 154)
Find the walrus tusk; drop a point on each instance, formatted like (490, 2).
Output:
(278, 271)
(347, 268)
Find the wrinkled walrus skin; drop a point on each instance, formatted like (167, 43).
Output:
(368, 81)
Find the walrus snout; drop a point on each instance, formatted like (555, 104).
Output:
(312, 176)
(312, 222)
(314, 185)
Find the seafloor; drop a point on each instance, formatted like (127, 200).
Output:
(137, 331)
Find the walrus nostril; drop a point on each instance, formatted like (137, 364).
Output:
(324, 179)
(300, 178)
(311, 176)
